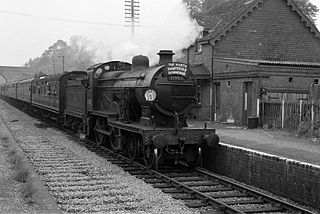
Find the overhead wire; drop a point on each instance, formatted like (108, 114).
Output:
(60, 19)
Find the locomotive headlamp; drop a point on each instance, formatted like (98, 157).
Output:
(150, 95)
(211, 139)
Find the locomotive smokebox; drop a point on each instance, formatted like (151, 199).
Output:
(165, 56)
(140, 62)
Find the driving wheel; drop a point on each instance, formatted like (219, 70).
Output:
(133, 146)
(98, 136)
(115, 139)
(150, 154)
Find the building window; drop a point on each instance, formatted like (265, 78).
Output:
(198, 48)
(290, 79)
(229, 83)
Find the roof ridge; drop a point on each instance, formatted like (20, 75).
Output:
(304, 18)
(239, 18)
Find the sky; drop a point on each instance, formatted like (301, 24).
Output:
(29, 27)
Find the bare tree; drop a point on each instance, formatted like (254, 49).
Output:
(61, 57)
(309, 9)
(82, 53)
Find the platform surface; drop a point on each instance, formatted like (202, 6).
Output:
(270, 141)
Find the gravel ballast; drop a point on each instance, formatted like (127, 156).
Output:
(79, 180)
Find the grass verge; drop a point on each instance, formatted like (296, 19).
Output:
(23, 173)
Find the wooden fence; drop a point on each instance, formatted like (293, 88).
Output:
(288, 115)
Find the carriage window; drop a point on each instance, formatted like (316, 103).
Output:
(54, 90)
(48, 89)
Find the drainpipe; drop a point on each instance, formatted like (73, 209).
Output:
(211, 110)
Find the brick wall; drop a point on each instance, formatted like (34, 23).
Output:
(273, 32)
(293, 180)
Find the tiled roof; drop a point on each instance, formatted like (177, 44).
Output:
(222, 15)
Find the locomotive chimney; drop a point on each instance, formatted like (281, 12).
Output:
(165, 56)
(139, 62)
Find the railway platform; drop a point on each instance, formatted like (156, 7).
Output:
(274, 160)
(271, 142)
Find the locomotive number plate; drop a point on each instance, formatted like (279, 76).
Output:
(150, 95)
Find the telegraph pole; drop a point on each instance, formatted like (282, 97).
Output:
(132, 9)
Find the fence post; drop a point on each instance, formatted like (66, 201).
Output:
(312, 114)
(282, 113)
(258, 107)
(300, 111)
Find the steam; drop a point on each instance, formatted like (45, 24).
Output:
(169, 26)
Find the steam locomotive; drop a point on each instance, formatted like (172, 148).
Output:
(135, 109)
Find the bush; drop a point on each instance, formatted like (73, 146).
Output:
(14, 156)
(22, 170)
(5, 139)
(304, 129)
(29, 190)
(22, 173)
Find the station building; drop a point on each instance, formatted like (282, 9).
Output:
(252, 50)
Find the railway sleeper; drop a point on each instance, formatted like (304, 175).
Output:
(228, 195)
(139, 173)
(144, 176)
(184, 197)
(262, 210)
(209, 183)
(161, 185)
(249, 201)
(172, 190)
(176, 172)
(214, 189)
(184, 179)
(153, 180)
(197, 205)
(130, 169)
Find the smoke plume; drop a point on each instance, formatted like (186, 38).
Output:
(162, 26)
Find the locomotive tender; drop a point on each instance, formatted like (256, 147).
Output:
(136, 109)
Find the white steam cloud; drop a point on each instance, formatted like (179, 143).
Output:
(163, 26)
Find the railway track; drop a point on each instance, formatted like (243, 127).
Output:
(73, 182)
(201, 189)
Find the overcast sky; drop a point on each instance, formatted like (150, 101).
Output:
(28, 27)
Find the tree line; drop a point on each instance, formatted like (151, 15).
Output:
(61, 57)
(197, 10)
